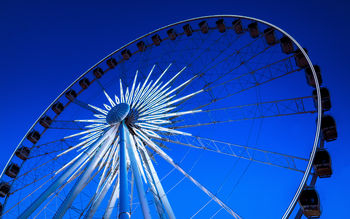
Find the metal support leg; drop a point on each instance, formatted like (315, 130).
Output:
(124, 210)
(155, 193)
(159, 188)
(139, 185)
(162, 195)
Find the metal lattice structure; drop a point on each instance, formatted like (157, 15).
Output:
(228, 88)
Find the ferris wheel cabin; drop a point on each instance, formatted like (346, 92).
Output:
(141, 46)
(322, 163)
(253, 30)
(112, 63)
(45, 121)
(12, 170)
(310, 202)
(71, 95)
(156, 39)
(237, 26)
(172, 34)
(203, 25)
(84, 83)
(310, 78)
(33, 137)
(286, 45)
(270, 36)
(98, 72)
(220, 25)
(325, 99)
(4, 189)
(126, 54)
(57, 108)
(188, 29)
(328, 128)
(22, 153)
(300, 59)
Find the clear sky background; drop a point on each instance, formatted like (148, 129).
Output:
(45, 45)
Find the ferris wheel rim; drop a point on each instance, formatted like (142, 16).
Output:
(317, 87)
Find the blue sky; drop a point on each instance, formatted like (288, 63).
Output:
(46, 45)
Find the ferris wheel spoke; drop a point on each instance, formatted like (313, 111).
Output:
(71, 168)
(148, 94)
(37, 179)
(84, 179)
(99, 128)
(110, 163)
(31, 183)
(158, 102)
(159, 93)
(32, 170)
(64, 146)
(240, 151)
(101, 195)
(196, 44)
(100, 121)
(46, 153)
(141, 91)
(100, 84)
(280, 66)
(79, 211)
(282, 106)
(153, 127)
(112, 200)
(49, 143)
(237, 55)
(54, 173)
(260, 110)
(193, 59)
(244, 86)
(248, 80)
(92, 199)
(26, 197)
(59, 190)
(50, 161)
(59, 145)
(85, 106)
(109, 98)
(154, 114)
(213, 122)
(66, 124)
(63, 150)
(106, 181)
(158, 79)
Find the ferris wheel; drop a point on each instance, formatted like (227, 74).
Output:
(218, 116)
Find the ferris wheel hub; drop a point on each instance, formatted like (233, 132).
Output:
(118, 113)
